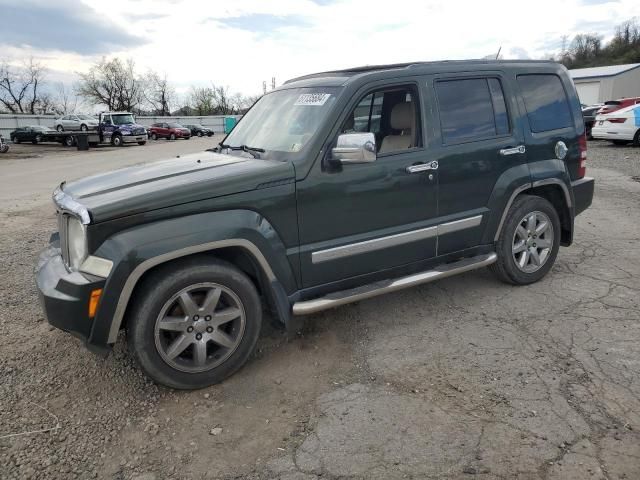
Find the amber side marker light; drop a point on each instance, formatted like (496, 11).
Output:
(93, 301)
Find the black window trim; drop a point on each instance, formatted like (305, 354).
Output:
(486, 77)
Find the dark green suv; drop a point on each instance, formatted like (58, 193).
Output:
(333, 188)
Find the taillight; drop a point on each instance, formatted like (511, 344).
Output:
(616, 120)
(582, 148)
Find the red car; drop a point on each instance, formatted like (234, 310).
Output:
(613, 105)
(169, 130)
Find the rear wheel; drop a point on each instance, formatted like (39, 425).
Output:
(154, 136)
(37, 140)
(69, 141)
(636, 139)
(194, 324)
(199, 134)
(15, 139)
(529, 241)
(142, 143)
(60, 128)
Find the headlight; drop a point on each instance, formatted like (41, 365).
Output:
(76, 242)
(126, 132)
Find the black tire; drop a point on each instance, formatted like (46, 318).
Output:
(505, 268)
(199, 134)
(69, 141)
(209, 134)
(187, 138)
(154, 136)
(83, 128)
(636, 139)
(37, 140)
(116, 141)
(172, 136)
(15, 140)
(60, 128)
(620, 143)
(142, 143)
(164, 283)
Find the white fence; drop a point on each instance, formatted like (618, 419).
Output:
(9, 122)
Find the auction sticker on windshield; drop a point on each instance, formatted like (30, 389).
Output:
(316, 99)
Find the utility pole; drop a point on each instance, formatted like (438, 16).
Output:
(273, 83)
(264, 86)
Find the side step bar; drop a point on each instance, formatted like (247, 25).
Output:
(385, 286)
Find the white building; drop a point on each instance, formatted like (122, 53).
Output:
(599, 84)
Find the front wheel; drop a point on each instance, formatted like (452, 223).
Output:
(194, 324)
(636, 139)
(172, 136)
(4, 148)
(116, 141)
(37, 140)
(154, 136)
(142, 143)
(529, 241)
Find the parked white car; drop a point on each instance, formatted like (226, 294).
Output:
(621, 127)
(76, 122)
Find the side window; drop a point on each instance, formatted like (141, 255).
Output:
(391, 115)
(546, 102)
(471, 109)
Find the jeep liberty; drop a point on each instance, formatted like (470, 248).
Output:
(333, 188)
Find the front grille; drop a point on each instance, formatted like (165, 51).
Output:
(138, 131)
(62, 230)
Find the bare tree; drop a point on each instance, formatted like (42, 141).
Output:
(66, 101)
(202, 100)
(159, 93)
(223, 100)
(112, 83)
(20, 87)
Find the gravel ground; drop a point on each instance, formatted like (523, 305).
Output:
(462, 378)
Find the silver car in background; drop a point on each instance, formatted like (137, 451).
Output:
(76, 122)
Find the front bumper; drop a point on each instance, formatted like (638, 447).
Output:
(64, 295)
(134, 138)
(582, 194)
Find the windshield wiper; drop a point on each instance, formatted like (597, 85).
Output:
(253, 151)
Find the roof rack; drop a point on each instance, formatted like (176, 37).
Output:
(408, 65)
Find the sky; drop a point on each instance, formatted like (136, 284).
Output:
(240, 43)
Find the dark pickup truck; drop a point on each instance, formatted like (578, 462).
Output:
(333, 188)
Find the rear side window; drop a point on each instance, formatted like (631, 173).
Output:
(471, 109)
(546, 102)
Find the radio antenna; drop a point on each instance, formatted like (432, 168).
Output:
(498, 54)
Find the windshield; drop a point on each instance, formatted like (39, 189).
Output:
(122, 119)
(175, 125)
(284, 120)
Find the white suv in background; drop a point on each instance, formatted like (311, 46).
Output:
(76, 122)
(621, 127)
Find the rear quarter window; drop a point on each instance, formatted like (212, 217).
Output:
(546, 102)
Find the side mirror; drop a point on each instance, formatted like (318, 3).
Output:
(355, 148)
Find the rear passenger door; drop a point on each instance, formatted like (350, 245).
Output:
(476, 141)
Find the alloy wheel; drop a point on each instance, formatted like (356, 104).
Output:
(199, 327)
(532, 242)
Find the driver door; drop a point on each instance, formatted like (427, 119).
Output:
(358, 219)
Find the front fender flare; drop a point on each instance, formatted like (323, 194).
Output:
(137, 250)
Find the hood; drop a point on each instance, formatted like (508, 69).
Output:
(166, 183)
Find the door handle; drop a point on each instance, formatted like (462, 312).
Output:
(513, 150)
(422, 167)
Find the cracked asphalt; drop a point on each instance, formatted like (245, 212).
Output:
(463, 378)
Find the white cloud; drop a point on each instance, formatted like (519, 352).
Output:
(190, 42)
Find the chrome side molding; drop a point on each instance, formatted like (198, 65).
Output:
(386, 286)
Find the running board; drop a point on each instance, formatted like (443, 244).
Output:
(386, 286)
